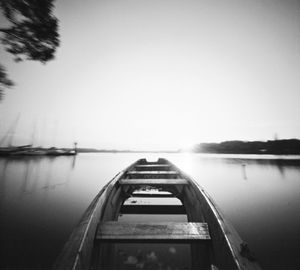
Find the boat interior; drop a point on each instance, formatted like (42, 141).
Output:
(154, 216)
(153, 196)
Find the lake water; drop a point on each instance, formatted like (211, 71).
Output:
(42, 199)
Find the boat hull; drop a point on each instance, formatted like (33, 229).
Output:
(224, 250)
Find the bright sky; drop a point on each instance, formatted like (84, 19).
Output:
(161, 74)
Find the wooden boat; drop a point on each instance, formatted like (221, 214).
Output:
(95, 242)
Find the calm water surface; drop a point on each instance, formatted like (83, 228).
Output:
(42, 199)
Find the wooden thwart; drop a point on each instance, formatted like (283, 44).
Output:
(153, 209)
(153, 182)
(152, 174)
(152, 195)
(157, 167)
(152, 232)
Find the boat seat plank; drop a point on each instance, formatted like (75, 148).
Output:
(152, 172)
(152, 201)
(153, 165)
(151, 209)
(157, 167)
(152, 232)
(150, 182)
(152, 195)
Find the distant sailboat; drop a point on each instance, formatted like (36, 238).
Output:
(9, 136)
(29, 150)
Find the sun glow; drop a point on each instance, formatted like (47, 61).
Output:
(161, 89)
(188, 146)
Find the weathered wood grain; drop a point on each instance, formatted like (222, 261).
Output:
(153, 182)
(152, 232)
(153, 167)
(153, 195)
(226, 243)
(152, 174)
(77, 252)
(225, 250)
(153, 209)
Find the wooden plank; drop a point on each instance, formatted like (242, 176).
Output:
(153, 165)
(226, 243)
(151, 209)
(152, 201)
(157, 167)
(151, 182)
(152, 195)
(151, 162)
(152, 174)
(152, 232)
(77, 251)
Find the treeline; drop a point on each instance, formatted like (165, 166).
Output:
(276, 147)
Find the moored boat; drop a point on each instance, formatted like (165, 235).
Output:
(28, 150)
(53, 151)
(11, 150)
(117, 216)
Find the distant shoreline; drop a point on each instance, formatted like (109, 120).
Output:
(92, 150)
(274, 147)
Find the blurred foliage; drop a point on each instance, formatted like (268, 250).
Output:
(4, 81)
(31, 34)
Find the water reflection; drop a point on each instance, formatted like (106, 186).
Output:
(28, 222)
(42, 199)
(244, 172)
(35, 174)
(152, 256)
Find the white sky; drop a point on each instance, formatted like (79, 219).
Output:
(161, 74)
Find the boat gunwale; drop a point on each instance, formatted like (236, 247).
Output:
(67, 260)
(86, 219)
(230, 234)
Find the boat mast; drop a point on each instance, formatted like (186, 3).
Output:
(75, 147)
(10, 133)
